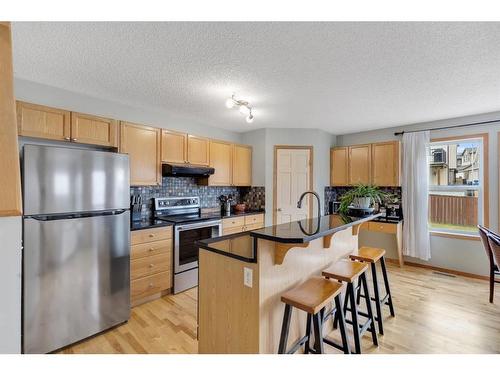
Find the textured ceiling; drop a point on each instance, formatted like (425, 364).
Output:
(340, 77)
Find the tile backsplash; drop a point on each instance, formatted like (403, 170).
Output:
(333, 194)
(186, 187)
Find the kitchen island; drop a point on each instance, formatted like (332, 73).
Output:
(242, 277)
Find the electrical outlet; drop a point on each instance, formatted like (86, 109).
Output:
(247, 277)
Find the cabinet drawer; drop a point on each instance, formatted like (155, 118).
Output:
(382, 227)
(253, 226)
(148, 285)
(150, 235)
(150, 265)
(254, 219)
(232, 230)
(233, 222)
(150, 248)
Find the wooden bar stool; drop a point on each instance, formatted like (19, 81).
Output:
(372, 255)
(312, 296)
(350, 272)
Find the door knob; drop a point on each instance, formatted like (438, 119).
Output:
(279, 209)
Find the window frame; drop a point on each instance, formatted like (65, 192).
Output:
(483, 186)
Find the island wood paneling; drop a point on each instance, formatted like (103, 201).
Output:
(10, 180)
(228, 310)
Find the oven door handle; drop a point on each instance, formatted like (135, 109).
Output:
(204, 224)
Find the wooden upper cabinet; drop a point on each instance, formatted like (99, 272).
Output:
(39, 121)
(385, 163)
(173, 147)
(221, 160)
(242, 165)
(360, 164)
(142, 144)
(339, 165)
(94, 130)
(198, 150)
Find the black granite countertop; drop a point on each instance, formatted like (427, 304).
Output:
(304, 231)
(147, 224)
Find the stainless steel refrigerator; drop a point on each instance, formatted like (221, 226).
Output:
(76, 245)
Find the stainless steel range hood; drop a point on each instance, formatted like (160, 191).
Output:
(175, 170)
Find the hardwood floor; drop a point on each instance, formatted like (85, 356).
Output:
(435, 313)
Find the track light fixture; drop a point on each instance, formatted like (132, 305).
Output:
(243, 107)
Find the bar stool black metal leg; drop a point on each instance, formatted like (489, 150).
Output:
(377, 299)
(307, 346)
(369, 309)
(358, 296)
(346, 299)
(354, 314)
(343, 329)
(387, 288)
(285, 329)
(318, 333)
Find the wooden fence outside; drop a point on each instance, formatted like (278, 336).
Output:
(446, 209)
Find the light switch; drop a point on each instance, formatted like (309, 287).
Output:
(247, 277)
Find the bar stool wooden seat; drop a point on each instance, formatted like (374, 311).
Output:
(350, 272)
(312, 296)
(372, 255)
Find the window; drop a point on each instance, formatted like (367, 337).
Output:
(456, 189)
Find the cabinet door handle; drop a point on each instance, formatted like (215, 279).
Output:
(74, 139)
(151, 265)
(151, 235)
(151, 249)
(67, 138)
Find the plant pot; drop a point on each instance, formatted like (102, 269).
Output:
(362, 202)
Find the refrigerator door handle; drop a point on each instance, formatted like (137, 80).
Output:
(75, 215)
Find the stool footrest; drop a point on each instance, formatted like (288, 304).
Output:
(297, 345)
(363, 314)
(362, 327)
(384, 300)
(333, 343)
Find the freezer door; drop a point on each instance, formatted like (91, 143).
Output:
(76, 275)
(61, 180)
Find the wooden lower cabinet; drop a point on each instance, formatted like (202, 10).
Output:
(150, 264)
(242, 223)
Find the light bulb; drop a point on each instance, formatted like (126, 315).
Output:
(249, 118)
(229, 103)
(244, 110)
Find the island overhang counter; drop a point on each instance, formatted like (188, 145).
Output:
(242, 277)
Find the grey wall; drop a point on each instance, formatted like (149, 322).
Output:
(51, 96)
(263, 142)
(10, 285)
(456, 254)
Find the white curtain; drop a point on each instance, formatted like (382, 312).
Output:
(415, 184)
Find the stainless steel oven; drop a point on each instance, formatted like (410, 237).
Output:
(186, 252)
(190, 225)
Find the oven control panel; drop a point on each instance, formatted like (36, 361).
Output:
(176, 202)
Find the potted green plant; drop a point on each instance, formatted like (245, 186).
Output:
(362, 197)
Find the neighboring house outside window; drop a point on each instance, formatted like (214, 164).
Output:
(456, 185)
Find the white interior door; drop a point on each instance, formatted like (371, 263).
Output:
(292, 179)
